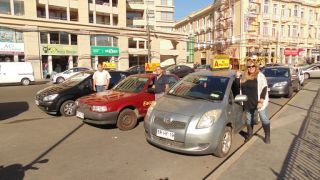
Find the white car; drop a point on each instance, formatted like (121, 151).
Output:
(299, 73)
(60, 77)
(312, 71)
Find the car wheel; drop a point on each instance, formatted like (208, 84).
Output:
(60, 80)
(25, 81)
(306, 75)
(225, 143)
(289, 95)
(127, 120)
(68, 108)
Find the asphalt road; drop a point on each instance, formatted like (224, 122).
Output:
(35, 145)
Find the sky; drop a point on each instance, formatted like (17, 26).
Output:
(185, 7)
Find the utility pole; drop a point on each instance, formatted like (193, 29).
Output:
(148, 34)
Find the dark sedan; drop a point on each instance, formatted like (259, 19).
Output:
(281, 80)
(60, 98)
(179, 70)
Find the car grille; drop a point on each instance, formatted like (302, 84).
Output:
(167, 141)
(172, 125)
(83, 106)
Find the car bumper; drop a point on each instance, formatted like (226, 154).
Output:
(48, 107)
(279, 91)
(99, 118)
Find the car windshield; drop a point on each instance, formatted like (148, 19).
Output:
(209, 88)
(131, 84)
(170, 68)
(276, 72)
(76, 79)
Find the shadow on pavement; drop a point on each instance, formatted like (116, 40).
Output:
(12, 109)
(303, 159)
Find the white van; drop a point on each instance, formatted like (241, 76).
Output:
(16, 72)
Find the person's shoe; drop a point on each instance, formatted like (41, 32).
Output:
(266, 128)
(249, 133)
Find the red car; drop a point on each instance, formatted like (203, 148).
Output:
(123, 104)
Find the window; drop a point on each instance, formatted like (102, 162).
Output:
(141, 45)
(43, 38)
(311, 15)
(64, 38)
(19, 37)
(54, 38)
(295, 31)
(74, 39)
(166, 16)
(295, 12)
(316, 16)
(103, 40)
(283, 10)
(289, 31)
(266, 7)
(273, 30)
(301, 32)
(275, 6)
(282, 30)
(302, 13)
(265, 29)
(18, 7)
(10, 35)
(5, 7)
(289, 12)
(165, 2)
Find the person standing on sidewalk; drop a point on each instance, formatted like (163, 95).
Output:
(254, 85)
(161, 84)
(101, 79)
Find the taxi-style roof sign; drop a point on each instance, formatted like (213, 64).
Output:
(221, 61)
(151, 66)
(109, 65)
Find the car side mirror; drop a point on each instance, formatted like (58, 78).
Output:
(150, 90)
(241, 98)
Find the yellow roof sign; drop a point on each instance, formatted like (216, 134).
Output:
(220, 61)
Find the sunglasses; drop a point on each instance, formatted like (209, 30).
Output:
(251, 66)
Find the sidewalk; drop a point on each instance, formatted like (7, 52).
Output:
(294, 152)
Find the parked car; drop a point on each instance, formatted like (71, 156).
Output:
(60, 98)
(138, 69)
(312, 71)
(203, 67)
(299, 73)
(122, 105)
(282, 81)
(60, 77)
(179, 70)
(16, 72)
(199, 115)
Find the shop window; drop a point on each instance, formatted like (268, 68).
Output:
(92, 40)
(54, 38)
(64, 38)
(115, 41)
(5, 7)
(43, 38)
(141, 45)
(104, 40)
(132, 43)
(74, 39)
(18, 7)
(19, 37)
(6, 35)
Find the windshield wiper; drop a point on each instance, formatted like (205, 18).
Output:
(202, 98)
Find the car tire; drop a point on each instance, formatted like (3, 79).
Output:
(127, 120)
(306, 75)
(67, 108)
(225, 143)
(25, 81)
(289, 95)
(59, 80)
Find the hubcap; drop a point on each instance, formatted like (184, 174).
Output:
(226, 142)
(68, 109)
(127, 119)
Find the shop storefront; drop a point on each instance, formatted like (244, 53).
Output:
(293, 56)
(104, 54)
(58, 58)
(11, 52)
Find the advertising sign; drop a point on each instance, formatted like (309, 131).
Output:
(220, 61)
(151, 66)
(293, 52)
(104, 51)
(11, 48)
(57, 49)
(109, 65)
(315, 52)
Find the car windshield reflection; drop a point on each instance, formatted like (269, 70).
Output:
(276, 72)
(131, 84)
(201, 87)
(76, 79)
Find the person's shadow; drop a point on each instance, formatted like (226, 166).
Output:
(17, 171)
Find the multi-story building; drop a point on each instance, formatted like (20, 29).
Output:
(67, 33)
(279, 31)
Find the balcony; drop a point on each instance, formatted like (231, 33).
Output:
(312, 22)
(266, 16)
(285, 19)
(255, 1)
(135, 4)
(276, 18)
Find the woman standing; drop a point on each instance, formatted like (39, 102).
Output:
(254, 85)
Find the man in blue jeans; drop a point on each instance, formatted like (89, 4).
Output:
(101, 79)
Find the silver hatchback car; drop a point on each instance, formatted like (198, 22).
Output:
(199, 115)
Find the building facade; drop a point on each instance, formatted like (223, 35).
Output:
(274, 31)
(60, 34)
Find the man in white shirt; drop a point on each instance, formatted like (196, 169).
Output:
(101, 79)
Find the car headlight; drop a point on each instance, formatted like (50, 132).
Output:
(77, 103)
(150, 109)
(209, 118)
(99, 108)
(50, 97)
(279, 84)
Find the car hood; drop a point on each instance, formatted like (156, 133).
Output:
(102, 98)
(53, 89)
(186, 107)
(273, 80)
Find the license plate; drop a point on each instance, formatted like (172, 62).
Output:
(37, 102)
(165, 134)
(80, 114)
(269, 89)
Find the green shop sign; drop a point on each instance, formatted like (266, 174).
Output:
(57, 49)
(104, 51)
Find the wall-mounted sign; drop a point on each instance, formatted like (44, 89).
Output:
(315, 52)
(104, 51)
(293, 52)
(57, 49)
(11, 48)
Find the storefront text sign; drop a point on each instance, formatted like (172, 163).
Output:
(315, 52)
(11, 48)
(104, 51)
(57, 49)
(221, 61)
(293, 52)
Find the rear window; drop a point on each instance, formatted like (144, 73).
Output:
(276, 72)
